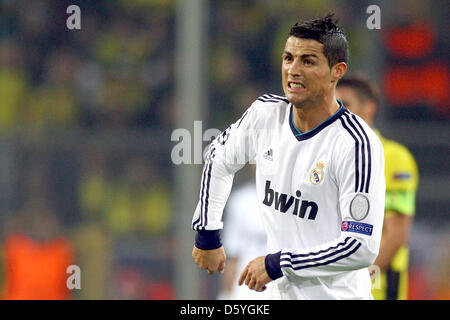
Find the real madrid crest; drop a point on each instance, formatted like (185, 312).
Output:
(317, 173)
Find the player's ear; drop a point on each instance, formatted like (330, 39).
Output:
(338, 71)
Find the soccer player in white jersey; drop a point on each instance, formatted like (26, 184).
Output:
(319, 179)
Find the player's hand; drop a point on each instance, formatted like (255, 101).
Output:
(211, 260)
(255, 275)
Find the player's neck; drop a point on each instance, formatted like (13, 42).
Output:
(307, 117)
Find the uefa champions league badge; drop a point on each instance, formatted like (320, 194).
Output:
(357, 227)
(317, 174)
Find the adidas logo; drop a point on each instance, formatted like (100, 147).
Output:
(268, 155)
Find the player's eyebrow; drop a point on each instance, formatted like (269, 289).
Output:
(310, 55)
(303, 56)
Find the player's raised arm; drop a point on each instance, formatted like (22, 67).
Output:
(361, 205)
(228, 153)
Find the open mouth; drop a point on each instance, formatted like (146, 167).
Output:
(295, 85)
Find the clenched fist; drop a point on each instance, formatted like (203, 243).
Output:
(212, 260)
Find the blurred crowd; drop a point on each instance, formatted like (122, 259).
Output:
(117, 70)
(114, 72)
(105, 203)
(114, 75)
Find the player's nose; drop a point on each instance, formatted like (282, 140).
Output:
(294, 72)
(295, 69)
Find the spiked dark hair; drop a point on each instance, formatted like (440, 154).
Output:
(327, 32)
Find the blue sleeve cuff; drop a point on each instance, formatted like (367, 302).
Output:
(272, 263)
(208, 239)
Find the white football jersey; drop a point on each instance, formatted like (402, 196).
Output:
(321, 196)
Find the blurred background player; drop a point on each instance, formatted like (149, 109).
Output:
(245, 239)
(36, 255)
(360, 97)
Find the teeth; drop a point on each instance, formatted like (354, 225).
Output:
(296, 85)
